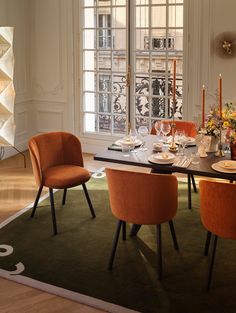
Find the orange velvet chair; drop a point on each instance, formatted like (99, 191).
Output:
(218, 215)
(142, 198)
(189, 128)
(57, 162)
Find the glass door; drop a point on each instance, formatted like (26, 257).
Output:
(105, 66)
(128, 53)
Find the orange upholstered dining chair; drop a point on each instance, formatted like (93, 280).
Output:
(57, 162)
(218, 215)
(189, 128)
(142, 198)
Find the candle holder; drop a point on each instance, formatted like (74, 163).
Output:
(173, 147)
(220, 152)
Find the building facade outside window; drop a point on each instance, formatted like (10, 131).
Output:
(112, 46)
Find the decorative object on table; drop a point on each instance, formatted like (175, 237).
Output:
(157, 146)
(173, 147)
(201, 144)
(230, 125)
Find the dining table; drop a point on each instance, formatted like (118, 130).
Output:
(141, 158)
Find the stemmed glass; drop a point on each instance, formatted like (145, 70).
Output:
(182, 139)
(157, 127)
(133, 136)
(143, 132)
(165, 128)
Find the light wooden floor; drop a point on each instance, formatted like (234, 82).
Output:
(17, 190)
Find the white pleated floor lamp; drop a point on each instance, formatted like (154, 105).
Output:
(7, 91)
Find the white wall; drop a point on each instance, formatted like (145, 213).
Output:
(46, 47)
(52, 65)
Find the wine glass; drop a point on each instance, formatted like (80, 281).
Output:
(143, 132)
(182, 139)
(165, 128)
(133, 136)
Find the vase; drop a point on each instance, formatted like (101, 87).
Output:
(233, 151)
(212, 143)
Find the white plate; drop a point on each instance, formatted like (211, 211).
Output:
(164, 156)
(153, 159)
(190, 142)
(227, 164)
(218, 168)
(121, 141)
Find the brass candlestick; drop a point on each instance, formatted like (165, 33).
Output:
(172, 146)
(220, 152)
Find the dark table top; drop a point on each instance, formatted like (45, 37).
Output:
(141, 159)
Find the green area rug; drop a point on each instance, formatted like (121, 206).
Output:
(76, 259)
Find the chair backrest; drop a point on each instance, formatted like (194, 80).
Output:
(217, 208)
(142, 198)
(188, 126)
(52, 149)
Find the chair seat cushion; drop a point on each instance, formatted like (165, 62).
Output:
(65, 176)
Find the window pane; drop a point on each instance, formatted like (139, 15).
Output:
(89, 60)
(159, 16)
(158, 1)
(142, 39)
(142, 2)
(176, 1)
(119, 61)
(119, 84)
(142, 85)
(177, 37)
(90, 102)
(104, 123)
(89, 18)
(142, 17)
(104, 60)
(119, 2)
(119, 103)
(103, 2)
(119, 17)
(119, 39)
(119, 122)
(89, 81)
(176, 16)
(89, 3)
(142, 106)
(158, 107)
(90, 122)
(89, 39)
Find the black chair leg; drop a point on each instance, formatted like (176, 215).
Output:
(124, 230)
(64, 196)
(212, 259)
(189, 193)
(159, 252)
(54, 222)
(88, 200)
(172, 230)
(36, 201)
(134, 230)
(114, 245)
(207, 243)
(193, 183)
